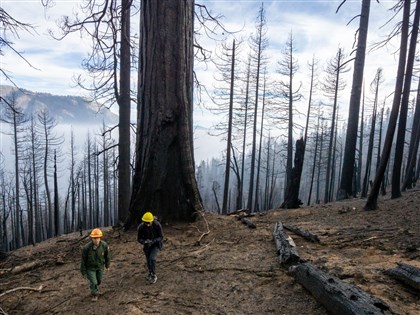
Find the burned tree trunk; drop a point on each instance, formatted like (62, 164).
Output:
(335, 295)
(407, 274)
(286, 248)
(164, 177)
(291, 200)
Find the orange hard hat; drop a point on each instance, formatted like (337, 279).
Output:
(96, 233)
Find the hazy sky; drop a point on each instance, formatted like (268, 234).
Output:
(317, 30)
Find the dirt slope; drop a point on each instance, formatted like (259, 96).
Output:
(232, 270)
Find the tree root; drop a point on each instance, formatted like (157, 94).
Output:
(203, 233)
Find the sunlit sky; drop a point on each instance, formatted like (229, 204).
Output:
(317, 30)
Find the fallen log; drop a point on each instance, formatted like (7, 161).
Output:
(305, 234)
(240, 212)
(28, 266)
(286, 247)
(407, 274)
(337, 296)
(248, 223)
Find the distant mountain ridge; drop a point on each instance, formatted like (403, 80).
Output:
(65, 109)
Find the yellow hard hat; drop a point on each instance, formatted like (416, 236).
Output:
(96, 233)
(147, 217)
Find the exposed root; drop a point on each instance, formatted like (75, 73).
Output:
(203, 233)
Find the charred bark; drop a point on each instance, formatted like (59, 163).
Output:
(164, 179)
(335, 295)
(248, 223)
(305, 234)
(407, 274)
(292, 200)
(286, 248)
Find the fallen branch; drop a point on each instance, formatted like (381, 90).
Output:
(198, 251)
(305, 234)
(248, 223)
(369, 239)
(79, 240)
(21, 288)
(194, 253)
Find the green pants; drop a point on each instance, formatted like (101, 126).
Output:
(95, 279)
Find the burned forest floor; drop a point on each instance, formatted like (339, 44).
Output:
(218, 265)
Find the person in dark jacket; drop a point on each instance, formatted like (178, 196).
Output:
(150, 234)
(95, 257)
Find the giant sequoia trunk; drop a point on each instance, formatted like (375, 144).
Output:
(164, 180)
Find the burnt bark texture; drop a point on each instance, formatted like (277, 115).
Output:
(302, 232)
(372, 200)
(292, 200)
(407, 274)
(124, 105)
(164, 179)
(335, 295)
(346, 184)
(285, 246)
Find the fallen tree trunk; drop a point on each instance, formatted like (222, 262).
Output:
(335, 295)
(244, 212)
(407, 274)
(305, 234)
(248, 223)
(286, 248)
(28, 266)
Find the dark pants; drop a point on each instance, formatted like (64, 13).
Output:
(151, 253)
(95, 279)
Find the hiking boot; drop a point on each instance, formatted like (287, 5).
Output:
(94, 298)
(153, 278)
(149, 277)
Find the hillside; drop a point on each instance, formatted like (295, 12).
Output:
(65, 109)
(232, 270)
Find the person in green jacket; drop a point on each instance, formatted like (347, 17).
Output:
(95, 258)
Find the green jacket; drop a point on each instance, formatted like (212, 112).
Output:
(95, 259)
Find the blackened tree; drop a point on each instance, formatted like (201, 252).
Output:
(164, 178)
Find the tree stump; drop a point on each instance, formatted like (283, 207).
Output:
(286, 248)
(335, 295)
(407, 274)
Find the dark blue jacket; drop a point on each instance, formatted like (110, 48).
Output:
(153, 233)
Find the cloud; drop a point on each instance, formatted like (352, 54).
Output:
(317, 29)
